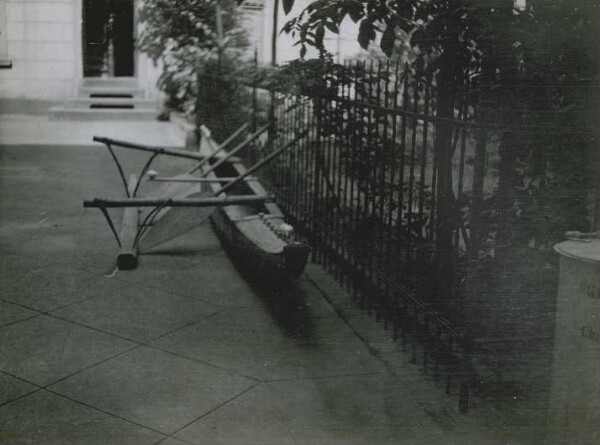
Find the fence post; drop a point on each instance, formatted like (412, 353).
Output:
(445, 195)
(254, 92)
(199, 106)
(477, 204)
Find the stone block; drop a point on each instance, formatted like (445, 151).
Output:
(49, 32)
(15, 31)
(49, 12)
(14, 12)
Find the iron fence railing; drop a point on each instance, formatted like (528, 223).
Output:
(362, 184)
(435, 206)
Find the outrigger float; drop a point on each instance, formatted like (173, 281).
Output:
(218, 187)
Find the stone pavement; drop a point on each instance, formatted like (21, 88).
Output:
(184, 349)
(30, 129)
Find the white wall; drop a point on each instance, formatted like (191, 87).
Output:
(42, 43)
(147, 74)
(343, 45)
(43, 39)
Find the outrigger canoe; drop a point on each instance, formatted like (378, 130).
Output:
(256, 233)
(245, 217)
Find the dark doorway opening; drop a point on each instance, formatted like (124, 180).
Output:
(108, 38)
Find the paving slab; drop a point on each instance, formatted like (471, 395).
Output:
(139, 313)
(212, 279)
(197, 243)
(12, 388)
(338, 410)
(10, 263)
(41, 130)
(52, 287)
(250, 341)
(43, 349)
(48, 419)
(171, 441)
(355, 410)
(12, 313)
(258, 421)
(155, 389)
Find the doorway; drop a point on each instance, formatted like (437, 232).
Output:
(108, 28)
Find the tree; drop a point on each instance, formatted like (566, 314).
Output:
(531, 63)
(531, 69)
(184, 35)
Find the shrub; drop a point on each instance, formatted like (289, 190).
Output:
(183, 36)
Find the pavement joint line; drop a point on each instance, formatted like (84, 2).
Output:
(325, 377)
(22, 396)
(93, 365)
(210, 411)
(19, 321)
(140, 343)
(363, 340)
(94, 328)
(71, 304)
(176, 439)
(376, 354)
(14, 376)
(24, 306)
(141, 283)
(116, 416)
(191, 323)
(202, 362)
(279, 412)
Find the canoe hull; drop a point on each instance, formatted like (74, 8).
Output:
(255, 234)
(288, 263)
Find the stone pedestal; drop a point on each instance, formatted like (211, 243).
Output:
(574, 411)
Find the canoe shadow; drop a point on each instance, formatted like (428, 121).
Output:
(287, 303)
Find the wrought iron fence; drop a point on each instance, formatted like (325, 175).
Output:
(362, 185)
(435, 208)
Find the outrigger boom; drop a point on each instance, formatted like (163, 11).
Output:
(194, 179)
(209, 201)
(156, 150)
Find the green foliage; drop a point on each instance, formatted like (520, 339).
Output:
(534, 69)
(183, 35)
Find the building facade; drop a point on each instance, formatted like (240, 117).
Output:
(48, 47)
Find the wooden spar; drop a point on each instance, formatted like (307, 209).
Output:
(228, 157)
(184, 202)
(127, 258)
(167, 224)
(196, 179)
(220, 149)
(257, 166)
(157, 150)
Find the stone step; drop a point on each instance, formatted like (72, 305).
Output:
(112, 103)
(102, 114)
(111, 91)
(124, 82)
